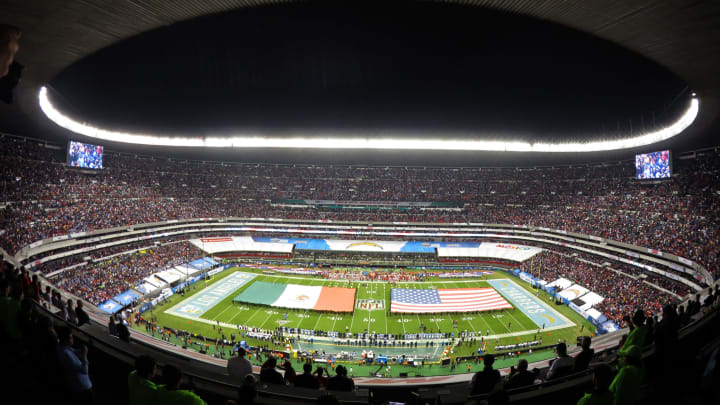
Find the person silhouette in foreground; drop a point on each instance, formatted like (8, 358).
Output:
(626, 385)
(141, 389)
(484, 381)
(268, 374)
(307, 379)
(600, 394)
(582, 360)
(340, 382)
(74, 365)
(171, 394)
(562, 365)
(521, 377)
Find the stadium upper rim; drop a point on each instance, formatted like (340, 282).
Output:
(364, 142)
(678, 35)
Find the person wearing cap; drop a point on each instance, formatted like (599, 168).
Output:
(626, 385)
(600, 394)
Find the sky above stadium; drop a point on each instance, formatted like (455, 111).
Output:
(407, 67)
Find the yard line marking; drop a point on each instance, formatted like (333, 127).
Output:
(317, 322)
(387, 331)
(253, 315)
(352, 318)
(416, 314)
(222, 312)
(266, 319)
(240, 312)
(470, 322)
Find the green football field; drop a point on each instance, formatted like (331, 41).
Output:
(504, 326)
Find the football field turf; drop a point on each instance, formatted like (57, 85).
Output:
(504, 326)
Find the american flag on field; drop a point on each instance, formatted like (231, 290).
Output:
(446, 300)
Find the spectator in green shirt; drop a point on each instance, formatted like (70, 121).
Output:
(626, 385)
(638, 334)
(141, 389)
(601, 394)
(171, 394)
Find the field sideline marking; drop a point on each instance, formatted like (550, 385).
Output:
(387, 331)
(325, 338)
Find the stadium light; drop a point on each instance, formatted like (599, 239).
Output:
(248, 141)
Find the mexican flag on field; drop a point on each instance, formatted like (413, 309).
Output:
(318, 298)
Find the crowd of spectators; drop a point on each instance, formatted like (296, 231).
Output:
(44, 198)
(623, 290)
(99, 281)
(47, 199)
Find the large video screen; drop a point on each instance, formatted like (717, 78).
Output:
(85, 155)
(655, 165)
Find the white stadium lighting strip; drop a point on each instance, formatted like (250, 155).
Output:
(362, 142)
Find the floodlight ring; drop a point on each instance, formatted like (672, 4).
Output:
(255, 141)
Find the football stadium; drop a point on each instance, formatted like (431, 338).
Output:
(411, 202)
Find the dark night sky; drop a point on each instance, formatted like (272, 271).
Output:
(418, 67)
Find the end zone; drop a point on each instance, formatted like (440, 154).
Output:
(201, 302)
(540, 313)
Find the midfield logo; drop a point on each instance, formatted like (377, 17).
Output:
(370, 304)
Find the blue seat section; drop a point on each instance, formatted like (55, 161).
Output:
(126, 297)
(300, 243)
(110, 306)
(429, 247)
(321, 244)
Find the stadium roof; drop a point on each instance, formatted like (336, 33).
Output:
(682, 36)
